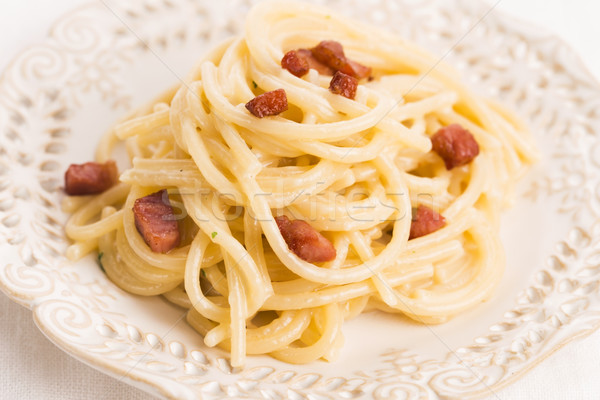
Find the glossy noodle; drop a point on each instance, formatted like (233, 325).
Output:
(353, 169)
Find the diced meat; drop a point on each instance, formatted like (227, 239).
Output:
(294, 63)
(304, 241)
(455, 145)
(313, 63)
(344, 85)
(90, 178)
(269, 103)
(356, 70)
(331, 53)
(155, 221)
(425, 221)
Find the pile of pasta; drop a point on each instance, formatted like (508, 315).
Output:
(354, 169)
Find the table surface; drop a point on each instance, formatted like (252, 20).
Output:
(33, 368)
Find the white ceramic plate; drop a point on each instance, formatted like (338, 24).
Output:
(57, 98)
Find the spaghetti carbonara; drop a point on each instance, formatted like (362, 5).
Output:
(310, 170)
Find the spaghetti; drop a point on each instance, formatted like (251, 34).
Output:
(353, 167)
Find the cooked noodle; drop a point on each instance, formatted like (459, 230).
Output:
(353, 169)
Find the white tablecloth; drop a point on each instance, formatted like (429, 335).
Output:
(32, 368)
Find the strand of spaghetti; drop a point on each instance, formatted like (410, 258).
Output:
(313, 333)
(141, 269)
(162, 150)
(76, 227)
(178, 296)
(352, 109)
(298, 301)
(353, 274)
(284, 194)
(214, 222)
(301, 355)
(192, 282)
(333, 212)
(202, 159)
(161, 134)
(477, 185)
(299, 285)
(141, 125)
(342, 246)
(408, 111)
(386, 292)
(79, 250)
(78, 231)
(265, 45)
(280, 332)
(217, 280)
(106, 145)
(324, 173)
(182, 174)
(180, 121)
(523, 143)
(238, 311)
(201, 324)
(232, 72)
(119, 273)
(477, 289)
(355, 307)
(253, 242)
(217, 335)
(70, 204)
(252, 167)
(352, 154)
(400, 273)
(270, 145)
(279, 127)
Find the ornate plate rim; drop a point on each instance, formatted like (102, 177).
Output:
(151, 386)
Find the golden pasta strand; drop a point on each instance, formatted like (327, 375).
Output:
(355, 170)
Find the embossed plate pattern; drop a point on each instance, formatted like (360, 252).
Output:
(58, 97)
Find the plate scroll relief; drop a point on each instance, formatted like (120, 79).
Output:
(85, 67)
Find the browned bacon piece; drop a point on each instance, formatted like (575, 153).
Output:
(90, 178)
(313, 63)
(455, 145)
(269, 103)
(425, 221)
(304, 241)
(344, 85)
(297, 65)
(155, 221)
(331, 53)
(356, 70)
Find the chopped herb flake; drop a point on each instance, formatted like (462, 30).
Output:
(213, 234)
(203, 273)
(100, 255)
(254, 84)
